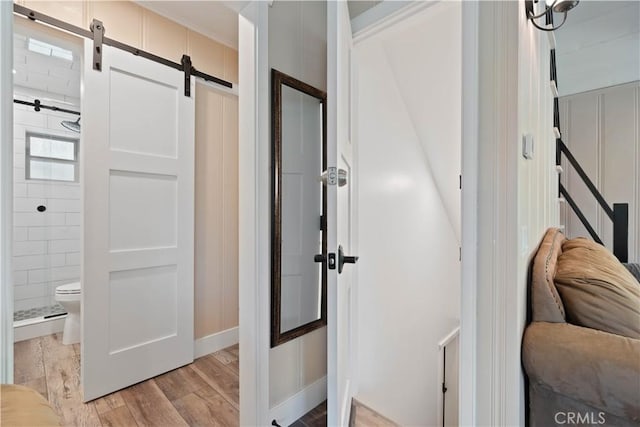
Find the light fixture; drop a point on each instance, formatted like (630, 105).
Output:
(551, 6)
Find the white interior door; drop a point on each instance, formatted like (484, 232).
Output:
(341, 295)
(138, 177)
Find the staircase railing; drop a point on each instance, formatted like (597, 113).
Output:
(619, 214)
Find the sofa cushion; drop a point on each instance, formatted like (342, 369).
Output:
(596, 290)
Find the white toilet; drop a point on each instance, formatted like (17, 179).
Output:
(68, 296)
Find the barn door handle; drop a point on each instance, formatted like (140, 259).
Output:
(331, 260)
(345, 259)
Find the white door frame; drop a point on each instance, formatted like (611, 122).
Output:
(254, 218)
(469, 208)
(6, 191)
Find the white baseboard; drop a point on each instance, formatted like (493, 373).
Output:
(215, 342)
(300, 403)
(27, 329)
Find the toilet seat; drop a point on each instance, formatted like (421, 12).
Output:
(68, 289)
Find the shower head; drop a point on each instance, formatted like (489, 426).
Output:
(72, 126)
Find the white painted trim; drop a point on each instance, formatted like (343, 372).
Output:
(254, 229)
(448, 338)
(34, 328)
(637, 175)
(470, 173)
(496, 380)
(6, 191)
(300, 403)
(383, 16)
(345, 405)
(215, 342)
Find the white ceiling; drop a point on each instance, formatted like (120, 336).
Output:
(357, 7)
(598, 46)
(215, 19)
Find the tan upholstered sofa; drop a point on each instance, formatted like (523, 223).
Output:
(581, 351)
(23, 406)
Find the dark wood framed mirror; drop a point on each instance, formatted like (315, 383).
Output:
(298, 237)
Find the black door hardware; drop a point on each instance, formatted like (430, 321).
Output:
(41, 208)
(344, 259)
(332, 261)
(318, 258)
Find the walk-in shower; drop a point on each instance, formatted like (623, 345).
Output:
(47, 205)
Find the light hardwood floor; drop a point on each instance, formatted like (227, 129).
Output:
(204, 393)
(361, 416)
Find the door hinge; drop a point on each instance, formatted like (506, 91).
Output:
(459, 253)
(460, 183)
(322, 222)
(444, 388)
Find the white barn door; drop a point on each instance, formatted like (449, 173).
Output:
(138, 176)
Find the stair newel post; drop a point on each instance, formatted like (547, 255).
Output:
(621, 231)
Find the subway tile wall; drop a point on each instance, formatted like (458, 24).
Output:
(46, 251)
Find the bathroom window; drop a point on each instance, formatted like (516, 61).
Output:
(50, 157)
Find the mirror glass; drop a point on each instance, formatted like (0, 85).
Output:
(298, 281)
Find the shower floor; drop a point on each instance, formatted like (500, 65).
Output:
(33, 313)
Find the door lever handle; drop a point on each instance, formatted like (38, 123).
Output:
(345, 259)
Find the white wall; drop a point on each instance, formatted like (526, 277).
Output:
(600, 127)
(46, 248)
(408, 126)
(598, 46)
(297, 47)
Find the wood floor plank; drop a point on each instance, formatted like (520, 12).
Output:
(235, 350)
(53, 348)
(220, 378)
(180, 382)
(235, 367)
(109, 402)
(118, 417)
(27, 361)
(317, 417)
(364, 416)
(225, 357)
(150, 407)
(207, 408)
(39, 385)
(63, 384)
